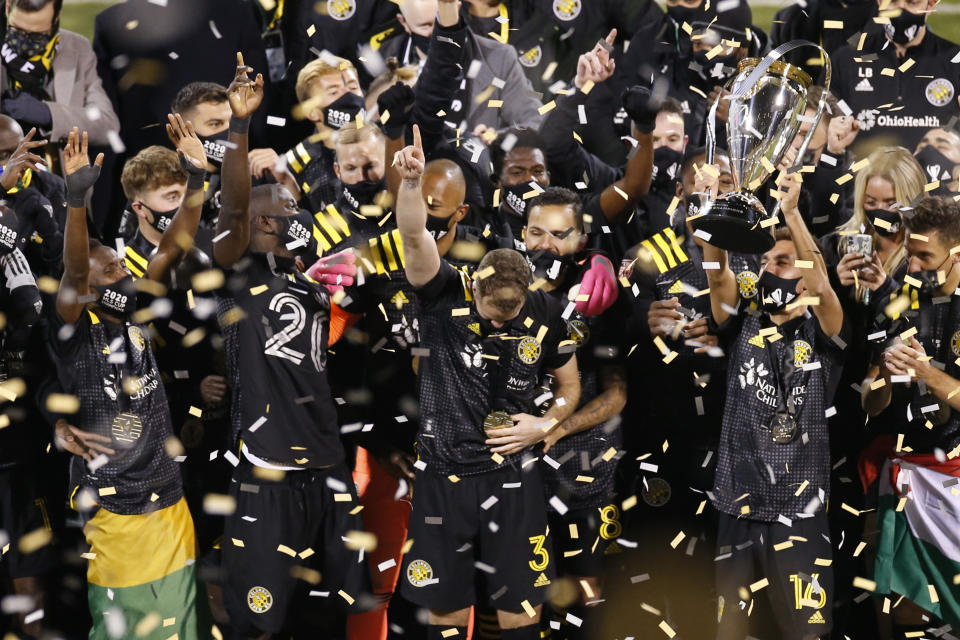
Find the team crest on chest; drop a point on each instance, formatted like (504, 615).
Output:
(579, 331)
(259, 599)
(747, 283)
(567, 9)
(529, 350)
(801, 352)
(531, 57)
(136, 337)
(341, 9)
(955, 344)
(419, 573)
(939, 92)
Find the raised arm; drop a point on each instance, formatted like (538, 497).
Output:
(233, 226)
(828, 310)
(618, 199)
(80, 176)
(724, 293)
(178, 237)
(419, 248)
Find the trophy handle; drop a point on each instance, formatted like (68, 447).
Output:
(751, 80)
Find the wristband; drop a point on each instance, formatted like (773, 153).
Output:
(240, 125)
(195, 181)
(77, 202)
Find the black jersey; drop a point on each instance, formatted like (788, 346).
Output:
(927, 422)
(341, 226)
(469, 369)
(756, 477)
(891, 99)
(579, 468)
(276, 325)
(137, 254)
(111, 368)
(311, 164)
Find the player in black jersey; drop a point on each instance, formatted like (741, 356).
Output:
(486, 343)
(154, 184)
(124, 481)
(283, 549)
(580, 455)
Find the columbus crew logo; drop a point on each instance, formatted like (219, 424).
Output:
(867, 119)
(747, 283)
(955, 344)
(801, 352)
(657, 492)
(567, 9)
(531, 57)
(341, 9)
(419, 573)
(259, 600)
(136, 337)
(529, 350)
(939, 92)
(579, 331)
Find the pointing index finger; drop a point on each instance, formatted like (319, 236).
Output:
(611, 37)
(416, 138)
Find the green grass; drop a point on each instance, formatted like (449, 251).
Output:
(79, 17)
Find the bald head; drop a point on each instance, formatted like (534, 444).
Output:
(417, 16)
(10, 136)
(444, 178)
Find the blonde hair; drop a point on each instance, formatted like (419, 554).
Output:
(318, 68)
(152, 168)
(897, 165)
(350, 133)
(394, 74)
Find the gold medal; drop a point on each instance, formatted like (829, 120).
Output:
(126, 428)
(496, 420)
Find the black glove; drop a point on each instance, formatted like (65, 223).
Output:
(78, 183)
(398, 102)
(26, 109)
(642, 107)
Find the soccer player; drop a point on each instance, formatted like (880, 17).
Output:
(124, 483)
(489, 341)
(773, 469)
(283, 546)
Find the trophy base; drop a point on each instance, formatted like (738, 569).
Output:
(733, 222)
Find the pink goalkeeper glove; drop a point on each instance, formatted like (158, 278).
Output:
(336, 271)
(600, 283)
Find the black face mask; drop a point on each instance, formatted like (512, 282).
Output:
(438, 227)
(729, 63)
(24, 43)
(421, 42)
(892, 218)
(161, 219)
(937, 165)
(214, 147)
(296, 234)
(512, 198)
(776, 292)
(363, 193)
(118, 299)
(549, 265)
(903, 28)
(343, 110)
(930, 279)
(666, 165)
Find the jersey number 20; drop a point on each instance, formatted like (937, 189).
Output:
(289, 308)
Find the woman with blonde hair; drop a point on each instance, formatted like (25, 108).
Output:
(891, 180)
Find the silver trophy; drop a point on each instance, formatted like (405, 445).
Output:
(768, 98)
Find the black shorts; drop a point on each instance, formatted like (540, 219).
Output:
(581, 538)
(283, 551)
(23, 511)
(493, 523)
(749, 552)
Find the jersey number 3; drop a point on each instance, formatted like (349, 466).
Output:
(291, 311)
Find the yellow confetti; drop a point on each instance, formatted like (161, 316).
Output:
(759, 584)
(547, 107)
(864, 583)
